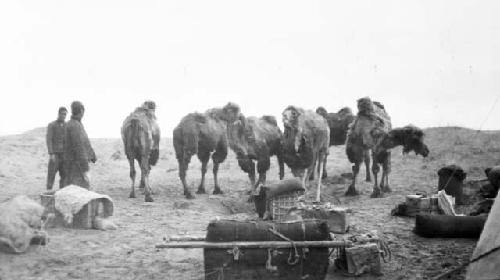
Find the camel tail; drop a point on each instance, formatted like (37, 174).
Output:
(185, 142)
(132, 139)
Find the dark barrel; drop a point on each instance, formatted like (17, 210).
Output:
(257, 263)
(449, 226)
(451, 178)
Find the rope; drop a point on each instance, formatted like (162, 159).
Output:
(440, 276)
(292, 260)
(385, 252)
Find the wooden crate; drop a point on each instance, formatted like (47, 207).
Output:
(336, 217)
(83, 219)
(363, 258)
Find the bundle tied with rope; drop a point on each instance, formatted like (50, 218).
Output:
(266, 263)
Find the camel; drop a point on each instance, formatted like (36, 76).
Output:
(141, 139)
(204, 135)
(372, 130)
(305, 143)
(339, 125)
(256, 139)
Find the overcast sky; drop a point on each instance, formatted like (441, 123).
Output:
(432, 63)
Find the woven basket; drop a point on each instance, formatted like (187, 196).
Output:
(280, 205)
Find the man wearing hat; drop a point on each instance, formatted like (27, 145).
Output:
(55, 146)
(77, 150)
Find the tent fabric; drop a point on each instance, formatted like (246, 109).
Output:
(486, 256)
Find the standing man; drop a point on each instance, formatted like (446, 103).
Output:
(77, 151)
(55, 146)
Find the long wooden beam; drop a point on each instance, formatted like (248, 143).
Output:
(254, 244)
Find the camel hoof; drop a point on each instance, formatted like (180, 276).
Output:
(189, 195)
(324, 175)
(368, 179)
(376, 194)
(148, 199)
(351, 192)
(218, 191)
(250, 199)
(131, 195)
(201, 191)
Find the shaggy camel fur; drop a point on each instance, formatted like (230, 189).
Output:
(305, 142)
(204, 135)
(256, 139)
(141, 139)
(372, 130)
(339, 125)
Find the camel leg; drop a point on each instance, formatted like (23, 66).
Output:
(305, 178)
(217, 158)
(351, 191)
(217, 189)
(142, 184)
(376, 189)
(386, 169)
(367, 166)
(263, 166)
(145, 177)
(248, 166)
(204, 158)
(281, 165)
(324, 167)
(183, 166)
(132, 177)
(311, 169)
(321, 162)
(325, 175)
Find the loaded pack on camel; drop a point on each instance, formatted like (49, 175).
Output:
(141, 139)
(306, 141)
(204, 135)
(372, 129)
(256, 139)
(339, 125)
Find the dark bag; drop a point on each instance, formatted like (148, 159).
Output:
(449, 226)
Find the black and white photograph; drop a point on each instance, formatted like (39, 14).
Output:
(226, 139)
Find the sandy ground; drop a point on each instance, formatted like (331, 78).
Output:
(129, 253)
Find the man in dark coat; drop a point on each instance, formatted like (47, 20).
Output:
(77, 151)
(55, 146)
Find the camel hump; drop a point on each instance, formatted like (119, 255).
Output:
(198, 117)
(270, 119)
(345, 111)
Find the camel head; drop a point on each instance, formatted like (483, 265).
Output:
(365, 105)
(149, 104)
(231, 112)
(291, 122)
(238, 132)
(322, 111)
(346, 111)
(410, 137)
(291, 116)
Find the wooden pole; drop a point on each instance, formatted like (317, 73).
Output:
(255, 244)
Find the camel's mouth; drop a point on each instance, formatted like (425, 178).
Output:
(422, 150)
